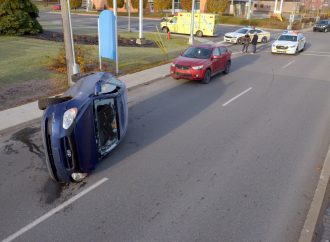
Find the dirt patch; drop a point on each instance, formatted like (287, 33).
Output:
(13, 95)
(91, 40)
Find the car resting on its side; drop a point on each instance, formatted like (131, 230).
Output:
(83, 125)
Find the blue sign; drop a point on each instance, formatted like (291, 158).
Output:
(107, 34)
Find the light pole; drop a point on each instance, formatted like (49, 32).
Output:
(191, 38)
(173, 7)
(140, 40)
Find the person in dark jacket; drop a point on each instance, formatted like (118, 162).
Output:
(254, 43)
(246, 41)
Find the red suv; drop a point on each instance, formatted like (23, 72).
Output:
(201, 62)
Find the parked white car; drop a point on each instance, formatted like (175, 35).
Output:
(290, 42)
(236, 37)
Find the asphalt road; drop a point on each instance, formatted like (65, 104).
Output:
(235, 160)
(87, 24)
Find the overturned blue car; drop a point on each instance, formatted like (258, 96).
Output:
(83, 125)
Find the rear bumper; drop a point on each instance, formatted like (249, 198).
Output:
(319, 29)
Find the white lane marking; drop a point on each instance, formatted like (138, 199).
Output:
(316, 55)
(234, 98)
(288, 64)
(319, 52)
(53, 211)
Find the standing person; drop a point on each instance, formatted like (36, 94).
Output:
(254, 43)
(246, 42)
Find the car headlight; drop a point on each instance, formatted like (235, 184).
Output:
(198, 67)
(68, 117)
(173, 65)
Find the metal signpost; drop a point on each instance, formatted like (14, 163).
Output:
(192, 24)
(107, 37)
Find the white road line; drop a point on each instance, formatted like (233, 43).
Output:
(316, 55)
(53, 211)
(234, 98)
(288, 64)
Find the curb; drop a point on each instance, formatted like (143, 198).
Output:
(317, 207)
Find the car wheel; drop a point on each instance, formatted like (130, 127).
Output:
(43, 103)
(207, 77)
(297, 51)
(264, 40)
(326, 30)
(199, 33)
(165, 30)
(239, 41)
(227, 68)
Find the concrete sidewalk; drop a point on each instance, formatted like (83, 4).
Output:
(30, 112)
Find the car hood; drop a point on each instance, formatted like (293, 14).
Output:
(185, 61)
(284, 43)
(234, 34)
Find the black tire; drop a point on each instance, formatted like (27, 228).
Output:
(227, 68)
(264, 40)
(326, 30)
(207, 77)
(297, 51)
(165, 30)
(239, 41)
(43, 103)
(199, 33)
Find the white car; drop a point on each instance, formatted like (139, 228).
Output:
(236, 37)
(289, 42)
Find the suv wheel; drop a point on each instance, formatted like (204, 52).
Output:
(207, 77)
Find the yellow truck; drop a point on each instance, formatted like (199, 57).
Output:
(204, 24)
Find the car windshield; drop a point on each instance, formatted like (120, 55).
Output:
(198, 53)
(241, 31)
(323, 22)
(288, 38)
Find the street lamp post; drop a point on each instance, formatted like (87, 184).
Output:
(248, 15)
(173, 7)
(140, 40)
(191, 38)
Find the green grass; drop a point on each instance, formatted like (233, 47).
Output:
(24, 59)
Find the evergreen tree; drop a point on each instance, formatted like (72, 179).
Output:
(18, 17)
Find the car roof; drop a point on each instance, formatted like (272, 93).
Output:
(213, 45)
(293, 33)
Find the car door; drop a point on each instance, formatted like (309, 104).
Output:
(224, 57)
(216, 60)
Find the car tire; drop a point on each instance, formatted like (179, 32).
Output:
(199, 33)
(227, 68)
(297, 51)
(264, 40)
(326, 30)
(165, 30)
(207, 77)
(239, 41)
(44, 103)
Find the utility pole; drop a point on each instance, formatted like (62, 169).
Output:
(140, 40)
(116, 35)
(128, 7)
(191, 38)
(67, 41)
(172, 7)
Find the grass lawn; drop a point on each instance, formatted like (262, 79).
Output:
(24, 59)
